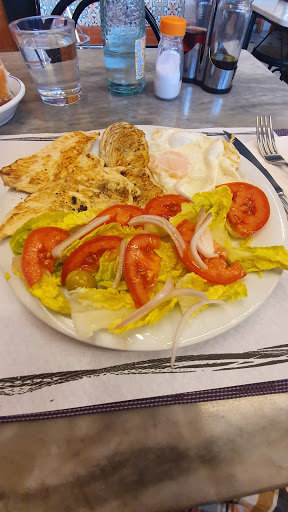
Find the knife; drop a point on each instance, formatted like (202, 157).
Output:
(247, 154)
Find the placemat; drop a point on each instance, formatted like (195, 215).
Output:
(45, 374)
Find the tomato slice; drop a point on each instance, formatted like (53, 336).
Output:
(86, 256)
(218, 271)
(141, 266)
(121, 213)
(165, 206)
(36, 255)
(187, 230)
(250, 209)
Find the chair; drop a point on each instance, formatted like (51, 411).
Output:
(63, 4)
(7, 43)
(16, 9)
(272, 50)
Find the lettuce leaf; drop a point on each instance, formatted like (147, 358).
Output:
(151, 318)
(217, 202)
(229, 292)
(255, 259)
(48, 291)
(62, 220)
(96, 309)
(93, 309)
(171, 265)
(107, 271)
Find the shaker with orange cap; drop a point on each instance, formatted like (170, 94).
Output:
(169, 62)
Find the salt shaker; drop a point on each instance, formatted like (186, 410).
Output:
(170, 56)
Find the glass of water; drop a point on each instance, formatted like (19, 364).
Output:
(48, 46)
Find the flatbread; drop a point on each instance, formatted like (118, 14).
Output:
(5, 94)
(77, 192)
(50, 164)
(125, 145)
(143, 180)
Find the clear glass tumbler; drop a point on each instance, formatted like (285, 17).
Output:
(48, 46)
(124, 42)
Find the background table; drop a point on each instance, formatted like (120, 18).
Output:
(163, 457)
(273, 11)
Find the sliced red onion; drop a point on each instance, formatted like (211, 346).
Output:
(178, 185)
(58, 250)
(153, 303)
(200, 220)
(168, 292)
(163, 223)
(120, 264)
(16, 263)
(189, 292)
(195, 239)
(184, 319)
(206, 244)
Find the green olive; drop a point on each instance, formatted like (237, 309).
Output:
(80, 279)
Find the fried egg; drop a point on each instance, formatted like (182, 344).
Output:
(191, 160)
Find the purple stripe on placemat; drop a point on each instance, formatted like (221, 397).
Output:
(282, 132)
(208, 395)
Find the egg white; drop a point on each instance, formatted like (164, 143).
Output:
(212, 161)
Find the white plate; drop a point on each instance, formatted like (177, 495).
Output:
(209, 323)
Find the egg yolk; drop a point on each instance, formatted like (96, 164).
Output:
(172, 163)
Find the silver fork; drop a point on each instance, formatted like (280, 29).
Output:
(266, 141)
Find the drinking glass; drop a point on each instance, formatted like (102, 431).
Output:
(48, 46)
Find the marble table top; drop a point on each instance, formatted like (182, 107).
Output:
(274, 10)
(255, 91)
(164, 457)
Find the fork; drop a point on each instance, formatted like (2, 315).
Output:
(266, 141)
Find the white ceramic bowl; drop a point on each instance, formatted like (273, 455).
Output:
(17, 89)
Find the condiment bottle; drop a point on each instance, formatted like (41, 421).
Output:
(170, 56)
(198, 14)
(231, 20)
(124, 42)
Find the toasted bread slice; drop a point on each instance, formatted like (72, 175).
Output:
(143, 180)
(125, 145)
(5, 94)
(50, 164)
(76, 193)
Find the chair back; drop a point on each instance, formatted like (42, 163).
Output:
(16, 9)
(63, 4)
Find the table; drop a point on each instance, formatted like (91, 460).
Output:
(275, 11)
(164, 457)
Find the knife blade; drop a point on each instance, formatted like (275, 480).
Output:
(247, 154)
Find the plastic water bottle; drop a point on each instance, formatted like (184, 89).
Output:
(124, 42)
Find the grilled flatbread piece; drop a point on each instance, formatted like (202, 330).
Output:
(74, 192)
(50, 164)
(143, 180)
(124, 144)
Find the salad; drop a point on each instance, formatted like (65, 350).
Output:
(125, 267)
